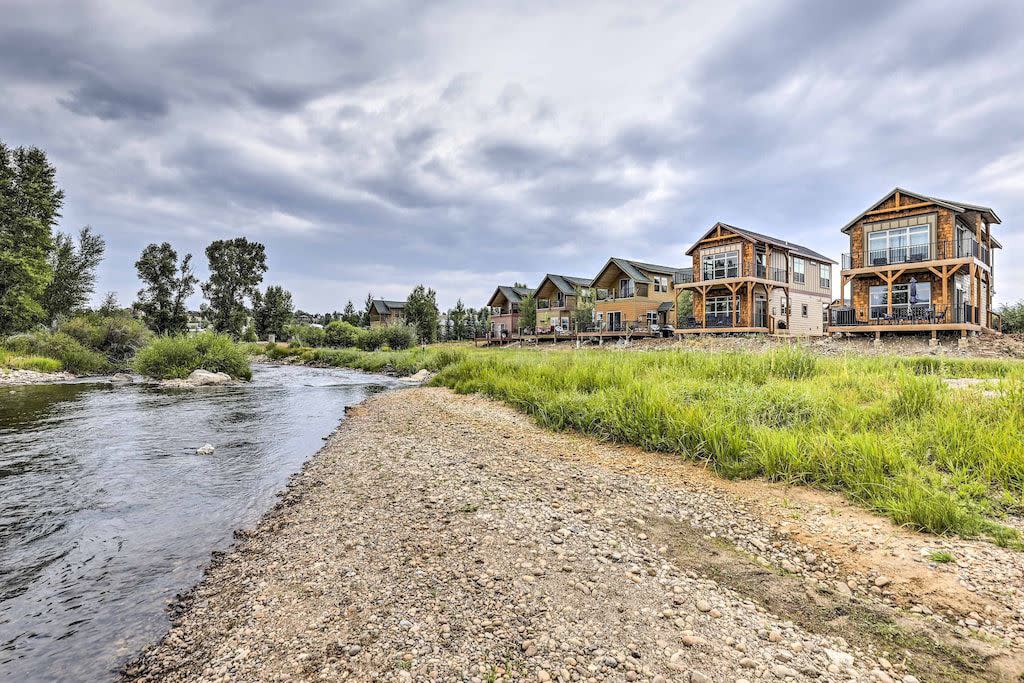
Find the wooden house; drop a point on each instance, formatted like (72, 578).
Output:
(504, 309)
(746, 282)
(634, 297)
(558, 297)
(385, 312)
(919, 264)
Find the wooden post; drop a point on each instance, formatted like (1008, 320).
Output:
(750, 304)
(888, 296)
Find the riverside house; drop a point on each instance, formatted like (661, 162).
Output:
(558, 296)
(634, 297)
(384, 312)
(504, 308)
(919, 264)
(746, 282)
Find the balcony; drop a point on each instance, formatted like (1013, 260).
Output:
(904, 314)
(755, 270)
(918, 253)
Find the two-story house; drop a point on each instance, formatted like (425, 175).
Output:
(917, 263)
(746, 282)
(631, 296)
(504, 308)
(384, 312)
(558, 297)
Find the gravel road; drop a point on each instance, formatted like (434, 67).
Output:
(439, 537)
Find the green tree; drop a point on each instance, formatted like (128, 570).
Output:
(528, 313)
(30, 204)
(365, 320)
(168, 286)
(273, 312)
(1013, 317)
(350, 315)
(421, 312)
(236, 271)
(483, 320)
(457, 318)
(582, 317)
(684, 305)
(73, 273)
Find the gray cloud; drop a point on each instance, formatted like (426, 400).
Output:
(379, 145)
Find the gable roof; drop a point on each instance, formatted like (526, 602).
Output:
(384, 306)
(566, 284)
(513, 295)
(958, 207)
(633, 269)
(752, 236)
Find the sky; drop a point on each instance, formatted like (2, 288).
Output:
(376, 146)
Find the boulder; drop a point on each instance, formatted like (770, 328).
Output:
(206, 449)
(421, 376)
(202, 378)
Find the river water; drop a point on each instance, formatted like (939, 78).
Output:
(106, 511)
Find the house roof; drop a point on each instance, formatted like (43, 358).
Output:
(566, 284)
(665, 306)
(513, 295)
(958, 207)
(384, 306)
(793, 247)
(633, 269)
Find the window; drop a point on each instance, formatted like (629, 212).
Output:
(825, 276)
(899, 245)
(625, 288)
(652, 318)
(718, 266)
(901, 299)
(542, 303)
(803, 310)
(798, 270)
(718, 306)
(661, 283)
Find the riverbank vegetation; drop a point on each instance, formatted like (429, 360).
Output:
(178, 357)
(888, 432)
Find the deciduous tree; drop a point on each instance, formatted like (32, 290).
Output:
(236, 271)
(30, 204)
(73, 273)
(421, 312)
(168, 285)
(273, 312)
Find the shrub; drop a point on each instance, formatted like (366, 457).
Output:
(400, 337)
(37, 363)
(71, 354)
(307, 335)
(341, 334)
(178, 357)
(117, 337)
(373, 338)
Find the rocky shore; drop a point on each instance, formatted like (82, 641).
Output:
(439, 537)
(17, 377)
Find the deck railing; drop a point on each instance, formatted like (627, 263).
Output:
(904, 314)
(917, 253)
(747, 269)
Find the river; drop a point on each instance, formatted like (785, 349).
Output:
(107, 512)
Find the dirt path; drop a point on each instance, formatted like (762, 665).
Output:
(441, 537)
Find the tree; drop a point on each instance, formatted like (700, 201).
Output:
(350, 315)
(273, 312)
(236, 270)
(528, 313)
(167, 288)
(1013, 317)
(457, 320)
(582, 317)
(421, 312)
(73, 273)
(30, 204)
(365, 321)
(483, 320)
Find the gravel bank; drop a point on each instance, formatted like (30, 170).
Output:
(14, 377)
(442, 537)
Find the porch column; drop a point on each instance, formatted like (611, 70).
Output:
(735, 304)
(750, 304)
(888, 296)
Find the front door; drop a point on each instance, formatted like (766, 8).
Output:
(615, 322)
(760, 312)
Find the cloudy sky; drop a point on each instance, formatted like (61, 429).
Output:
(376, 146)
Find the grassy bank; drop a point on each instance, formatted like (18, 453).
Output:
(399, 363)
(887, 432)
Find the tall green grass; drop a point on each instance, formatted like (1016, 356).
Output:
(177, 357)
(887, 432)
(15, 361)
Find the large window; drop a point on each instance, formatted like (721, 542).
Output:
(626, 288)
(798, 271)
(718, 266)
(901, 299)
(660, 283)
(718, 307)
(899, 245)
(824, 276)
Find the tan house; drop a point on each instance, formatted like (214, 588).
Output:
(384, 312)
(504, 309)
(558, 297)
(634, 297)
(746, 282)
(919, 264)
